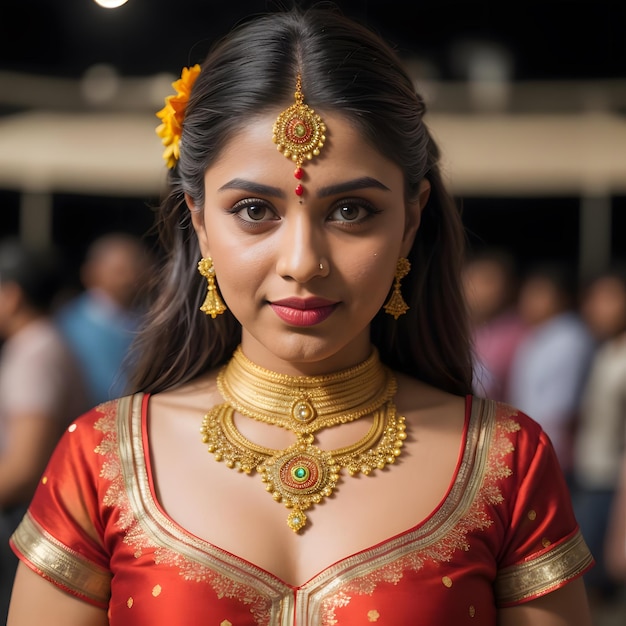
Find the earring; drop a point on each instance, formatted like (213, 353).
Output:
(213, 304)
(396, 305)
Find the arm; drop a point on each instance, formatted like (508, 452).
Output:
(566, 606)
(37, 601)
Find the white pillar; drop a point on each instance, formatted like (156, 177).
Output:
(595, 234)
(35, 227)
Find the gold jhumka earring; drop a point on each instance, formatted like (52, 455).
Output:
(396, 305)
(213, 305)
(299, 133)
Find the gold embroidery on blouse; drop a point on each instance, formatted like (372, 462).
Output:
(130, 602)
(545, 573)
(372, 616)
(472, 611)
(475, 489)
(67, 568)
(532, 515)
(447, 581)
(122, 449)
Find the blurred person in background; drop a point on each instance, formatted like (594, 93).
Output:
(599, 443)
(615, 540)
(100, 322)
(41, 389)
(490, 282)
(552, 361)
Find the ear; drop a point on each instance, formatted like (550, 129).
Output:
(197, 219)
(414, 215)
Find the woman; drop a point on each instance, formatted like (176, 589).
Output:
(322, 352)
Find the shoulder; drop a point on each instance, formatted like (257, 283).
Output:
(509, 418)
(516, 436)
(195, 395)
(102, 420)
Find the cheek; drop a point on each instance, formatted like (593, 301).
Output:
(240, 270)
(374, 275)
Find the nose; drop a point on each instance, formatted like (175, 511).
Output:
(302, 255)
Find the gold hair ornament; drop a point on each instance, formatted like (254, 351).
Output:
(302, 474)
(299, 133)
(213, 305)
(396, 305)
(173, 114)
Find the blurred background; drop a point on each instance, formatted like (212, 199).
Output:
(527, 100)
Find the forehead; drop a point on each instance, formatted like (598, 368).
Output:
(251, 152)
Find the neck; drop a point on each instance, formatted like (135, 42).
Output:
(302, 474)
(306, 403)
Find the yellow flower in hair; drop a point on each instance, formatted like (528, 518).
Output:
(173, 114)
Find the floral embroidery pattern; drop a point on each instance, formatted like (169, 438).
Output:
(474, 518)
(140, 541)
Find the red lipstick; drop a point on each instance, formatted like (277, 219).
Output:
(303, 311)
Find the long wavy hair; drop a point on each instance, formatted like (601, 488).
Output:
(345, 67)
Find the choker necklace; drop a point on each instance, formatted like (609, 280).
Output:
(302, 474)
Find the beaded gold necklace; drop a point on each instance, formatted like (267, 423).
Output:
(302, 474)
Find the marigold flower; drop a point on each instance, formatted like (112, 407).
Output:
(173, 114)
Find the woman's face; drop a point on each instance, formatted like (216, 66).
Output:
(304, 275)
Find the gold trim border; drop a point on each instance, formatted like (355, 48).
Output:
(61, 565)
(545, 573)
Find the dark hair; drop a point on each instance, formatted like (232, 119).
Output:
(38, 271)
(345, 67)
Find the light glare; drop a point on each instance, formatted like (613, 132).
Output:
(110, 4)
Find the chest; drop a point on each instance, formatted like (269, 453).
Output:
(240, 513)
(411, 541)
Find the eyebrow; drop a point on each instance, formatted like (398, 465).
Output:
(363, 182)
(253, 187)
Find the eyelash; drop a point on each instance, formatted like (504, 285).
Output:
(248, 203)
(358, 204)
(355, 203)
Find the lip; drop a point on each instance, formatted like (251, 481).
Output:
(303, 311)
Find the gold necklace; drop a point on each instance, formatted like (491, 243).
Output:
(302, 474)
(305, 404)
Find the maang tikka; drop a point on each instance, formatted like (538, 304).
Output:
(299, 133)
(396, 305)
(213, 304)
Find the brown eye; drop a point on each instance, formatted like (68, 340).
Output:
(253, 210)
(348, 212)
(256, 212)
(352, 211)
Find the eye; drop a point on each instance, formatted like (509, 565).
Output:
(352, 211)
(253, 210)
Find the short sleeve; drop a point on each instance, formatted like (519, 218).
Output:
(61, 535)
(543, 548)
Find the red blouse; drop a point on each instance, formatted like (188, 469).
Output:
(504, 534)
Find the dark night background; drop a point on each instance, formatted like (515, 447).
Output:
(548, 40)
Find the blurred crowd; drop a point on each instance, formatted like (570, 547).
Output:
(64, 340)
(554, 346)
